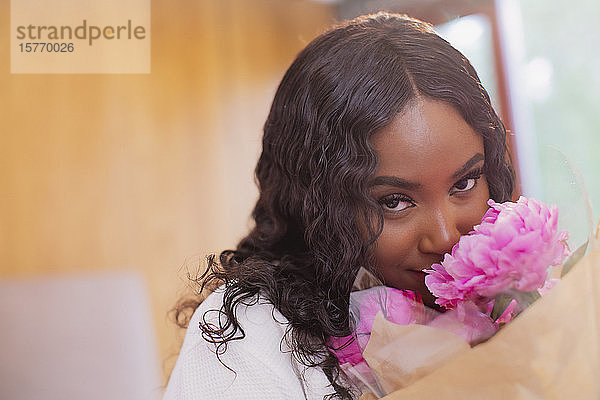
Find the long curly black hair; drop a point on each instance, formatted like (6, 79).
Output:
(315, 223)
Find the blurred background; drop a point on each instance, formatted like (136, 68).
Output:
(114, 187)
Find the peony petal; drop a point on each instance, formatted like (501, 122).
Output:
(512, 248)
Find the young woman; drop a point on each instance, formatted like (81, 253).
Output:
(381, 148)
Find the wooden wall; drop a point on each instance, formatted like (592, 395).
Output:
(145, 171)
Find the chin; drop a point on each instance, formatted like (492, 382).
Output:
(429, 301)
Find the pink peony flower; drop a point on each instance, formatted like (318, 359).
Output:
(511, 249)
(401, 307)
(404, 307)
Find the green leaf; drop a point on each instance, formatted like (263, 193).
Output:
(525, 299)
(501, 302)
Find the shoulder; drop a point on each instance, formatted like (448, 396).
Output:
(259, 366)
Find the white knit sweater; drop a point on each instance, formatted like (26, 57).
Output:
(264, 368)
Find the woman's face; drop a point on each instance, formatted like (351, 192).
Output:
(430, 186)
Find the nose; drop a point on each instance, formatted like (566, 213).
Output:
(440, 231)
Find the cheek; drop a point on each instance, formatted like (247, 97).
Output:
(394, 244)
(475, 209)
(484, 196)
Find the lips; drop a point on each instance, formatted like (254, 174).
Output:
(427, 266)
(419, 271)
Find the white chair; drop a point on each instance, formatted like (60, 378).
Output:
(88, 336)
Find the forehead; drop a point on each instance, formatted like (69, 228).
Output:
(428, 137)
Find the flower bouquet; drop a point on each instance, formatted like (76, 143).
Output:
(478, 348)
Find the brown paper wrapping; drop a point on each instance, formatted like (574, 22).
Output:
(551, 351)
(395, 367)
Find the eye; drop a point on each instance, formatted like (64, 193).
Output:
(467, 183)
(396, 203)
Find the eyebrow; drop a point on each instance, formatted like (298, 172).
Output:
(408, 185)
(394, 181)
(472, 161)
